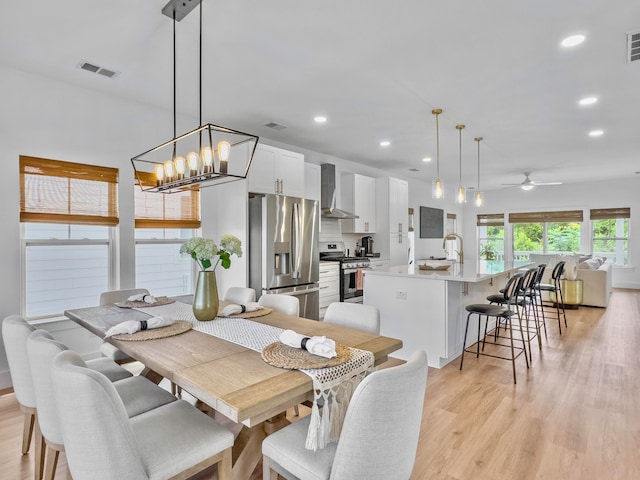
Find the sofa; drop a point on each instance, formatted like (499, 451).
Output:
(595, 274)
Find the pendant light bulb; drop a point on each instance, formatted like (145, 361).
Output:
(207, 159)
(437, 187)
(181, 165)
(159, 175)
(224, 149)
(192, 161)
(169, 170)
(479, 201)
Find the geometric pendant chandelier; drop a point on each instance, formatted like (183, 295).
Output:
(206, 156)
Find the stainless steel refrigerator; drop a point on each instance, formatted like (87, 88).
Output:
(283, 249)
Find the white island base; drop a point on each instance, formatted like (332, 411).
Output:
(425, 308)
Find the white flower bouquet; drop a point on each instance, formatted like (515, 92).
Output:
(205, 251)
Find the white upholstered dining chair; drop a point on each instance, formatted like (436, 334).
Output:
(174, 441)
(14, 336)
(107, 298)
(354, 315)
(379, 437)
(138, 394)
(240, 295)
(287, 304)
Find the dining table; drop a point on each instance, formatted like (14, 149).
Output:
(231, 379)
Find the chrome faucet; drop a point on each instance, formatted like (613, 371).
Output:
(451, 236)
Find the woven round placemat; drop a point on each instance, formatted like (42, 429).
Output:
(280, 355)
(159, 301)
(257, 313)
(176, 328)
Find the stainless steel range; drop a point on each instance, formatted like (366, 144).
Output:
(351, 270)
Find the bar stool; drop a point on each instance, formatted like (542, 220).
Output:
(556, 289)
(525, 303)
(499, 312)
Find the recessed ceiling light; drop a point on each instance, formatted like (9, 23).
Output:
(573, 40)
(385, 143)
(596, 133)
(320, 119)
(426, 159)
(588, 100)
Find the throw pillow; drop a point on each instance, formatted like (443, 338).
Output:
(586, 266)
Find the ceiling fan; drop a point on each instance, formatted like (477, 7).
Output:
(528, 184)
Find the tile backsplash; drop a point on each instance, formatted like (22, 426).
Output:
(331, 231)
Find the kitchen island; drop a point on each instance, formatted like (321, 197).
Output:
(425, 308)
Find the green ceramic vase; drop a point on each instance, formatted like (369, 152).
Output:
(205, 299)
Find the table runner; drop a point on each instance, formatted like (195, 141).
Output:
(332, 386)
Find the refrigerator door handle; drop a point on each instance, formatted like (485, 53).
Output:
(304, 292)
(296, 240)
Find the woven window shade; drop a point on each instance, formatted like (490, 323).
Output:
(159, 210)
(607, 213)
(539, 217)
(451, 216)
(53, 191)
(491, 220)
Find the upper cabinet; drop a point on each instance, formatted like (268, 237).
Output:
(274, 170)
(359, 197)
(312, 181)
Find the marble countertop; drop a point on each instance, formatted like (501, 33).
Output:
(475, 272)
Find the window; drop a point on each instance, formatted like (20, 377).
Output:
(68, 212)
(163, 223)
(610, 228)
(491, 236)
(546, 232)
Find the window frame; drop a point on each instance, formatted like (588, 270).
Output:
(617, 214)
(112, 263)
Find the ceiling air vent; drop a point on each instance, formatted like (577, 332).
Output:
(90, 67)
(275, 126)
(414, 170)
(633, 47)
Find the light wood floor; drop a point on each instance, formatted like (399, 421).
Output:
(575, 414)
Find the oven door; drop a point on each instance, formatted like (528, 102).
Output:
(351, 284)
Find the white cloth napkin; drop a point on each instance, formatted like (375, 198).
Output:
(133, 326)
(143, 297)
(232, 309)
(322, 346)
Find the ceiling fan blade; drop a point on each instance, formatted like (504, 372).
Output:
(547, 183)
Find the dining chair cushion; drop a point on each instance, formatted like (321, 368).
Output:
(156, 445)
(15, 331)
(109, 369)
(240, 295)
(379, 437)
(354, 315)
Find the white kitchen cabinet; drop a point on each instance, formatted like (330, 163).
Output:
(359, 197)
(329, 285)
(274, 170)
(392, 208)
(312, 181)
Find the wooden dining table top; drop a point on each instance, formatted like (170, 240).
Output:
(230, 378)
